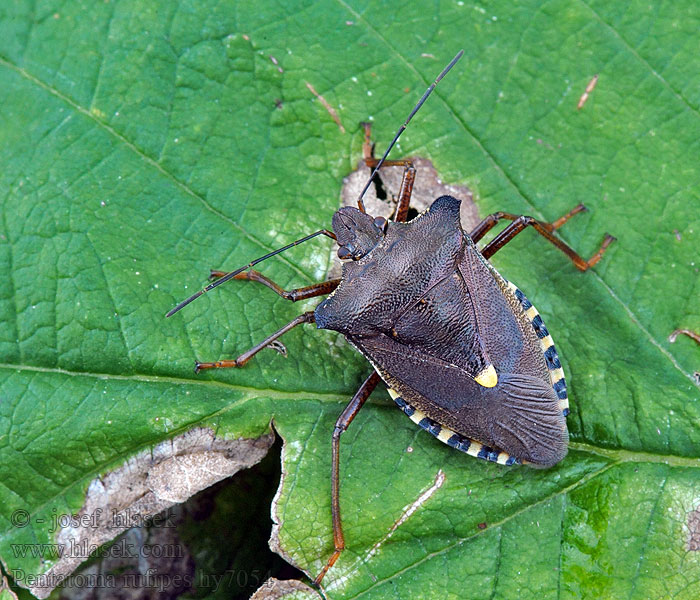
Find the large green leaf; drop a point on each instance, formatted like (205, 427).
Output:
(146, 142)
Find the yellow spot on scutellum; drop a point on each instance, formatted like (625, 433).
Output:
(487, 378)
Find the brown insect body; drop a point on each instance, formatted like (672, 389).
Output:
(431, 314)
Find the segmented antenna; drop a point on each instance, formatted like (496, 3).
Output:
(232, 274)
(330, 234)
(360, 203)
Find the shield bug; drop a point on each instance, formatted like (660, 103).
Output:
(463, 352)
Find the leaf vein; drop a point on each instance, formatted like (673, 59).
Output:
(150, 161)
(642, 60)
(447, 548)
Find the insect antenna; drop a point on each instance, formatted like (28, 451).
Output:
(360, 203)
(232, 274)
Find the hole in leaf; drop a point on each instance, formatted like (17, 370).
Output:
(215, 545)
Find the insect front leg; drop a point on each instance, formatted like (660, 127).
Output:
(521, 222)
(307, 317)
(310, 291)
(341, 425)
(407, 181)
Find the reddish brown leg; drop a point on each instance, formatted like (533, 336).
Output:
(310, 291)
(489, 222)
(409, 175)
(341, 425)
(691, 334)
(520, 222)
(367, 145)
(307, 317)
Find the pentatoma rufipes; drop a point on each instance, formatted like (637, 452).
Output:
(463, 352)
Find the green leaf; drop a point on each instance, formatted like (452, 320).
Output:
(5, 592)
(144, 143)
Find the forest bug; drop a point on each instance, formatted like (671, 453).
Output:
(463, 352)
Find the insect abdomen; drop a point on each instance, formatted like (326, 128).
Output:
(474, 447)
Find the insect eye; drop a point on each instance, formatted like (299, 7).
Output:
(344, 253)
(381, 223)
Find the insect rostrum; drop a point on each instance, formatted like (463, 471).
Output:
(463, 352)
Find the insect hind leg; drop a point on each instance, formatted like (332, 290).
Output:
(341, 425)
(546, 230)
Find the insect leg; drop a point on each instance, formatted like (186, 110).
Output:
(307, 317)
(367, 144)
(519, 223)
(409, 175)
(341, 425)
(416, 108)
(489, 222)
(232, 274)
(303, 293)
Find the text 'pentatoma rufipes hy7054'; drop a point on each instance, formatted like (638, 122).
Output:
(462, 350)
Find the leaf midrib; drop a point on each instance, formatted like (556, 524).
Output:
(249, 392)
(616, 456)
